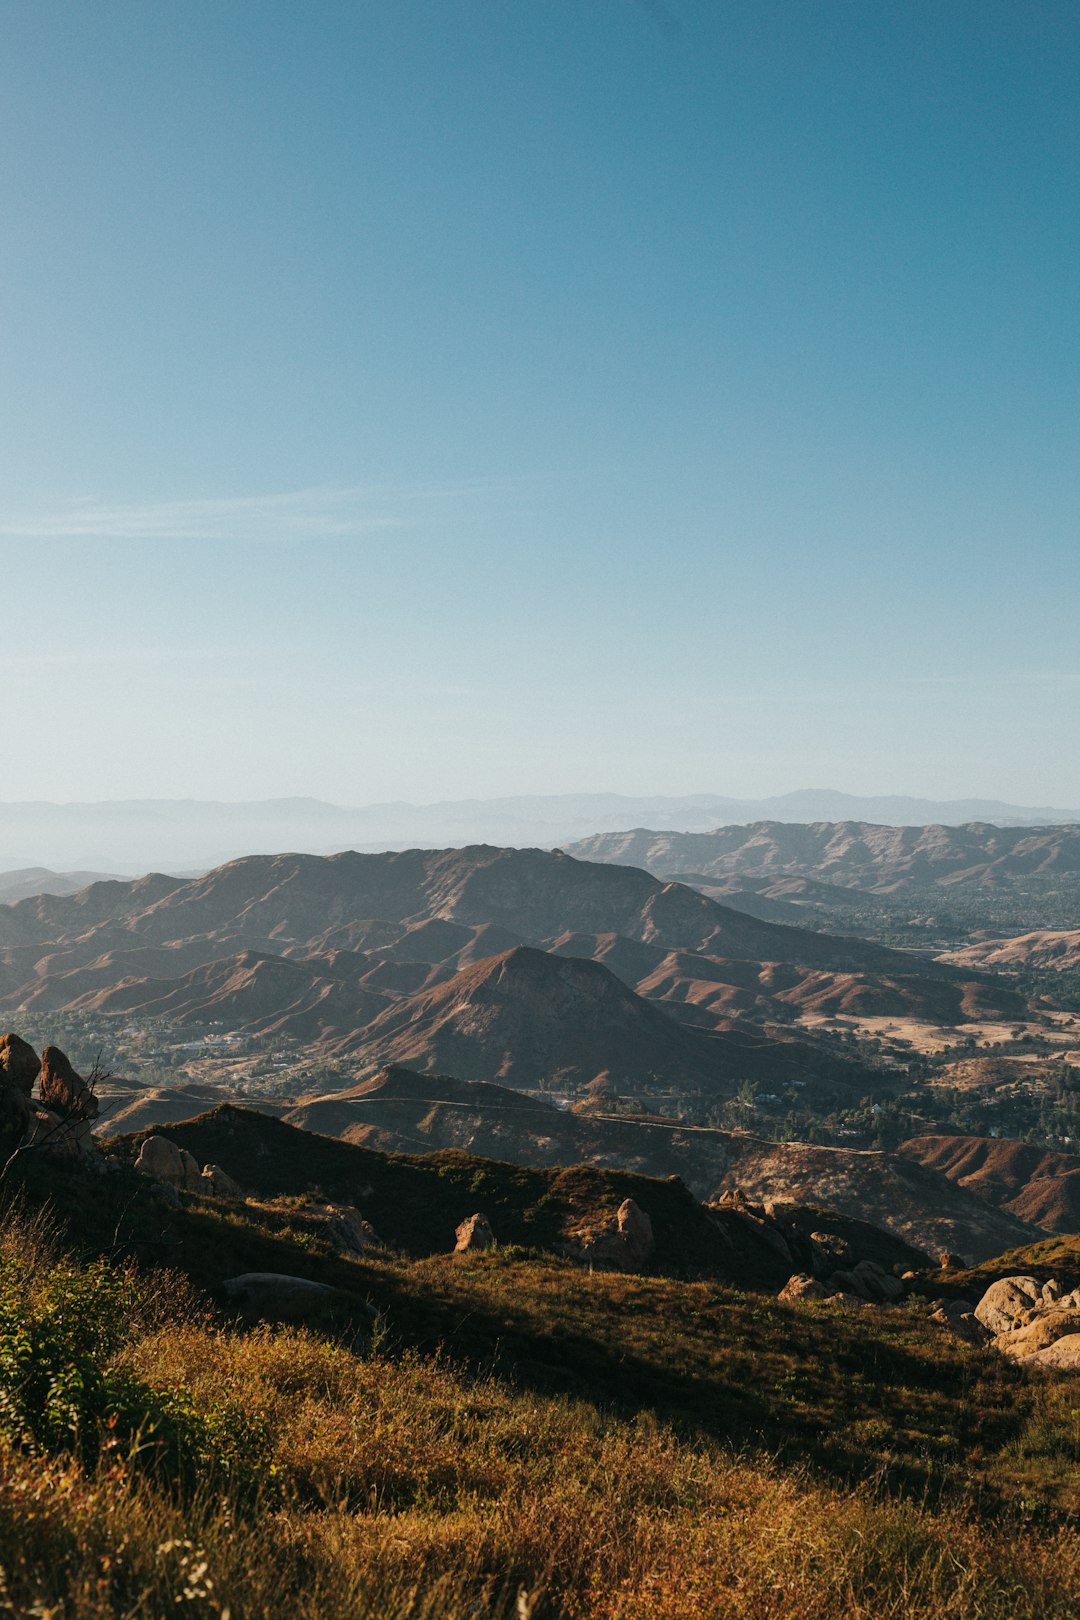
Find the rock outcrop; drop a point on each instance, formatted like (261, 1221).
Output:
(802, 1287)
(625, 1243)
(161, 1160)
(217, 1183)
(474, 1233)
(63, 1089)
(19, 1063)
(1003, 1302)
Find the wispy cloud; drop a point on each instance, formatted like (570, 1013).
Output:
(303, 514)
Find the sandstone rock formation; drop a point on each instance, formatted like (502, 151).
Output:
(1064, 1354)
(217, 1183)
(19, 1063)
(161, 1159)
(623, 1244)
(1004, 1300)
(63, 1090)
(474, 1233)
(802, 1287)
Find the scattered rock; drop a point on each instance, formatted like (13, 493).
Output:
(1004, 1299)
(802, 1287)
(474, 1233)
(878, 1284)
(1028, 1338)
(1063, 1354)
(217, 1183)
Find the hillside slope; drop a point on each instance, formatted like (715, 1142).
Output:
(1035, 1184)
(879, 859)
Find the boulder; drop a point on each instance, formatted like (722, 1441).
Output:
(1063, 1354)
(1031, 1337)
(1004, 1299)
(830, 1250)
(161, 1160)
(275, 1297)
(1051, 1291)
(63, 1089)
(474, 1233)
(19, 1063)
(802, 1287)
(877, 1283)
(635, 1230)
(623, 1244)
(217, 1183)
(950, 1262)
(192, 1181)
(846, 1282)
(349, 1230)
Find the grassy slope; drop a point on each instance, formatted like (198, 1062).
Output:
(612, 1446)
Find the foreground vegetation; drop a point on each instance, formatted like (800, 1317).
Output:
(514, 1438)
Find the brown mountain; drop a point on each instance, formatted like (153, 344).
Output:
(314, 946)
(355, 901)
(892, 1190)
(881, 860)
(1036, 1184)
(722, 987)
(250, 993)
(527, 1017)
(1054, 948)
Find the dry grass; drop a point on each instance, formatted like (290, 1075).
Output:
(400, 1483)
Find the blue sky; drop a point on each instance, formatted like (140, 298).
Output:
(489, 396)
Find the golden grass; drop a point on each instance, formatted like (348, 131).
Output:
(399, 1484)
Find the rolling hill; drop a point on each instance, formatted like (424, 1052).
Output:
(1035, 1184)
(881, 860)
(314, 946)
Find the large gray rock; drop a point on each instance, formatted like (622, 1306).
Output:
(276, 1297)
(880, 1285)
(161, 1160)
(1005, 1300)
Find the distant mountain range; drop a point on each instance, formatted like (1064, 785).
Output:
(780, 860)
(185, 835)
(31, 880)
